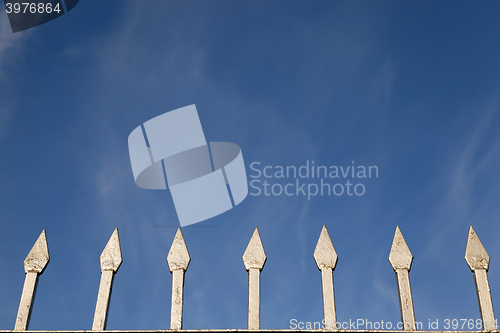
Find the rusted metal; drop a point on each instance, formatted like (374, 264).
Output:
(478, 260)
(254, 259)
(111, 259)
(401, 258)
(178, 261)
(34, 265)
(326, 260)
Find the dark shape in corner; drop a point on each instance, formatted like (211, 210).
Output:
(25, 15)
(70, 4)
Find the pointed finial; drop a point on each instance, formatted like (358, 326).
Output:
(178, 256)
(400, 256)
(475, 254)
(325, 254)
(254, 259)
(38, 258)
(34, 265)
(111, 259)
(178, 261)
(400, 259)
(326, 260)
(254, 256)
(111, 256)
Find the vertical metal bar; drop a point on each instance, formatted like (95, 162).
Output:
(111, 259)
(405, 299)
(26, 303)
(328, 297)
(254, 259)
(478, 260)
(102, 305)
(401, 258)
(326, 260)
(178, 261)
(484, 298)
(34, 265)
(177, 299)
(253, 299)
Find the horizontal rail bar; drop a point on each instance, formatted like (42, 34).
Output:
(241, 330)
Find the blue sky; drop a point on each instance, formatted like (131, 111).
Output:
(411, 87)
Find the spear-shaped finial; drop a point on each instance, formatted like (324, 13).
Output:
(254, 259)
(400, 259)
(326, 260)
(111, 259)
(178, 261)
(34, 265)
(478, 260)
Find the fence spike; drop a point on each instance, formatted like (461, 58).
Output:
(178, 261)
(326, 260)
(111, 259)
(478, 260)
(254, 259)
(34, 265)
(400, 259)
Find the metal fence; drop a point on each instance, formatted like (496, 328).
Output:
(254, 259)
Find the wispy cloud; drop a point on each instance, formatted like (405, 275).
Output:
(10, 45)
(466, 192)
(8, 40)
